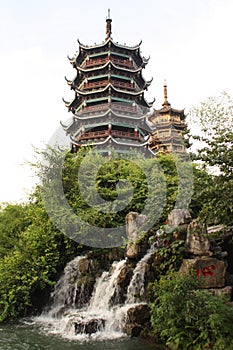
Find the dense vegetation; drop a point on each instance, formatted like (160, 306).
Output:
(33, 251)
(186, 317)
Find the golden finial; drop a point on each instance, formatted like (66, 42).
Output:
(165, 103)
(108, 25)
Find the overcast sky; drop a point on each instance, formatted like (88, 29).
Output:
(189, 42)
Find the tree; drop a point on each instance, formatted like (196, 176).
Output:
(215, 117)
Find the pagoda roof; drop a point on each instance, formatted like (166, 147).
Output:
(106, 42)
(106, 65)
(113, 140)
(80, 93)
(86, 93)
(167, 110)
(79, 117)
(72, 103)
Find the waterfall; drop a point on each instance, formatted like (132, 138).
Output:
(103, 317)
(136, 287)
(64, 294)
(106, 287)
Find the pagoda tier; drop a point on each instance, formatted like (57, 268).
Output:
(168, 126)
(109, 108)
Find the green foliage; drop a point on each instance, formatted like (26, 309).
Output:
(33, 252)
(185, 317)
(215, 156)
(13, 220)
(102, 191)
(30, 265)
(169, 250)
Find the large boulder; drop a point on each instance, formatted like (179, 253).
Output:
(179, 217)
(211, 271)
(139, 314)
(134, 222)
(88, 327)
(197, 242)
(133, 330)
(138, 317)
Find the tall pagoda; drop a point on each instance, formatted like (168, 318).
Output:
(109, 108)
(168, 126)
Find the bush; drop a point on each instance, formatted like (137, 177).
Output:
(186, 317)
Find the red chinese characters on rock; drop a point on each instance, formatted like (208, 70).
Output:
(206, 271)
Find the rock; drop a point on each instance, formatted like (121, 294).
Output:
(134, 223)
(179, 217)
(197, 242)
(139, 314)
(123, 281)
(133, 330)
(90, 326)
(211, 271)
(84, 265)
(226, 292)
(137, 317)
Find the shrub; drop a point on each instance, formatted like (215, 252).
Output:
(186, 317)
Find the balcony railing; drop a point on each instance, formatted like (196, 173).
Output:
(105, 106)
(101, 61)
(122, 63)
(105, 133)
(103, 83)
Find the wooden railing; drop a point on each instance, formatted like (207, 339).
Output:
(101, 61)
(105, 106)
(106, 133)
(126, 135)
(103, 83)
(123, 63)
(96, 62)
(93, 134)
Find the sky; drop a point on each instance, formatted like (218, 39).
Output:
(189, 43)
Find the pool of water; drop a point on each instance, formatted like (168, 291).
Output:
(27, 336)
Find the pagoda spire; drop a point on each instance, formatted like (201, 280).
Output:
(165, 103)
(108, 26)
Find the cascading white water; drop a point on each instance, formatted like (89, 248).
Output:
(103, 317)
(136, 287)
(64, 294)
(106, 286)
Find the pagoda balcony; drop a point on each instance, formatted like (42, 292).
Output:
(127, 135)
(103, 107)
(101, 61)
(96, 62)
(122, 63)
(103, 83)
(91, 135)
